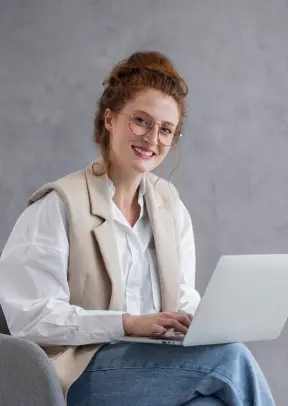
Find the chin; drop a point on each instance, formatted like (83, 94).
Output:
(140, 168)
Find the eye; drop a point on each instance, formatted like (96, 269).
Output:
(166, 130)
(140, 121)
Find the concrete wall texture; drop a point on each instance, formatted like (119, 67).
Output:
(233, 175)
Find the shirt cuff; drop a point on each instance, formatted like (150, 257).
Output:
(116, 329)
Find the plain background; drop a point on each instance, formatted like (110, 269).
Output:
(233, 175)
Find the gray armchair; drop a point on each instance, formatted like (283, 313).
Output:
(27, 377)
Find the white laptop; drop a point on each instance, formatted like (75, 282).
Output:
(245, 300)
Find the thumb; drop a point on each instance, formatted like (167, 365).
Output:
(157, 330)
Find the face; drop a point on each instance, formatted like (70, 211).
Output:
(140, 129)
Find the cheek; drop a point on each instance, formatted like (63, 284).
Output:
(163, 151)
(119, 136)
(123, 133)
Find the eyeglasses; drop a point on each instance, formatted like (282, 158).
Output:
(142, 123)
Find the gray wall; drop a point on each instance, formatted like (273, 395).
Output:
(234, 169)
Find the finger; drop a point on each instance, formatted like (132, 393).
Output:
(158, 330)
(181, 317)
(172, 323)
(188, 315)
(178, 327)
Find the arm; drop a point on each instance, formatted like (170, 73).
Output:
(189, 297)
(34, 290)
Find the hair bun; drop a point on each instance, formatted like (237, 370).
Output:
(155, 61)
(138, 64)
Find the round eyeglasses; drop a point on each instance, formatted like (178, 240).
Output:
(142, 123)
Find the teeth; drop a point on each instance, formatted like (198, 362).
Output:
(143, 152)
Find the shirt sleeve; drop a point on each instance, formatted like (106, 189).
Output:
(189, 297)
(34, 290)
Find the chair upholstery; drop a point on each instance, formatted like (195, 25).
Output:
(3, 325)
(27, 377)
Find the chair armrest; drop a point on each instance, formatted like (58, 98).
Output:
(27, 377)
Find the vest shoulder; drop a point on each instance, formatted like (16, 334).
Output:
(66, 186)
(163, 187)
(71, 181)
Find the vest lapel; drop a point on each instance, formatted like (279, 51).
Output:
(100, 198)
(162, 221)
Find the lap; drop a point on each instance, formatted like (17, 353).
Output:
(200, 358)
(128, 373)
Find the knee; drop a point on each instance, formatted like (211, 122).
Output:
(237, 348)
(236, 352)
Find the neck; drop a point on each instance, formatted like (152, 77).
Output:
(126, 188)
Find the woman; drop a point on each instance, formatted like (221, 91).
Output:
(109, 251)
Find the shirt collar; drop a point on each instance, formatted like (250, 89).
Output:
(117, 215)
(141, 193)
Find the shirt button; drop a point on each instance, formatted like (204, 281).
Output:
(136, 260)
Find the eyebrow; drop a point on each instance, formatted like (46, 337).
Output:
(162, 122)
(168, 122)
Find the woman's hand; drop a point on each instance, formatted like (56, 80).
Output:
(151, 324)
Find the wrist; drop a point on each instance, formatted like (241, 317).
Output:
(126, 318)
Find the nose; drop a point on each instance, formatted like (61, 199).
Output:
(153, 135)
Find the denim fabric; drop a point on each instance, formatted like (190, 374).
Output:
(133, 374)
(205, 401)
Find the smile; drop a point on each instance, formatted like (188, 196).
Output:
(142, 152)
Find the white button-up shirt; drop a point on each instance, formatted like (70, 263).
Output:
(34, 291)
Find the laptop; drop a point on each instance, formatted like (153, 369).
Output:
(246, 300)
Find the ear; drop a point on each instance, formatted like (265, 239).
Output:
(108, 118)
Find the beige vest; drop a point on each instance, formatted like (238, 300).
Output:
(94, 273)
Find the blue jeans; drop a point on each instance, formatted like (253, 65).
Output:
(133, 374)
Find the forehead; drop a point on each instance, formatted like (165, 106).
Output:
(157, 104)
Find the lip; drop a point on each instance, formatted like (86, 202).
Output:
(144, 149)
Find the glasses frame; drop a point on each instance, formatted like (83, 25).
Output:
(130, 115)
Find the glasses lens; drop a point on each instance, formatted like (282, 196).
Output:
(141, 123)
(168, 136)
